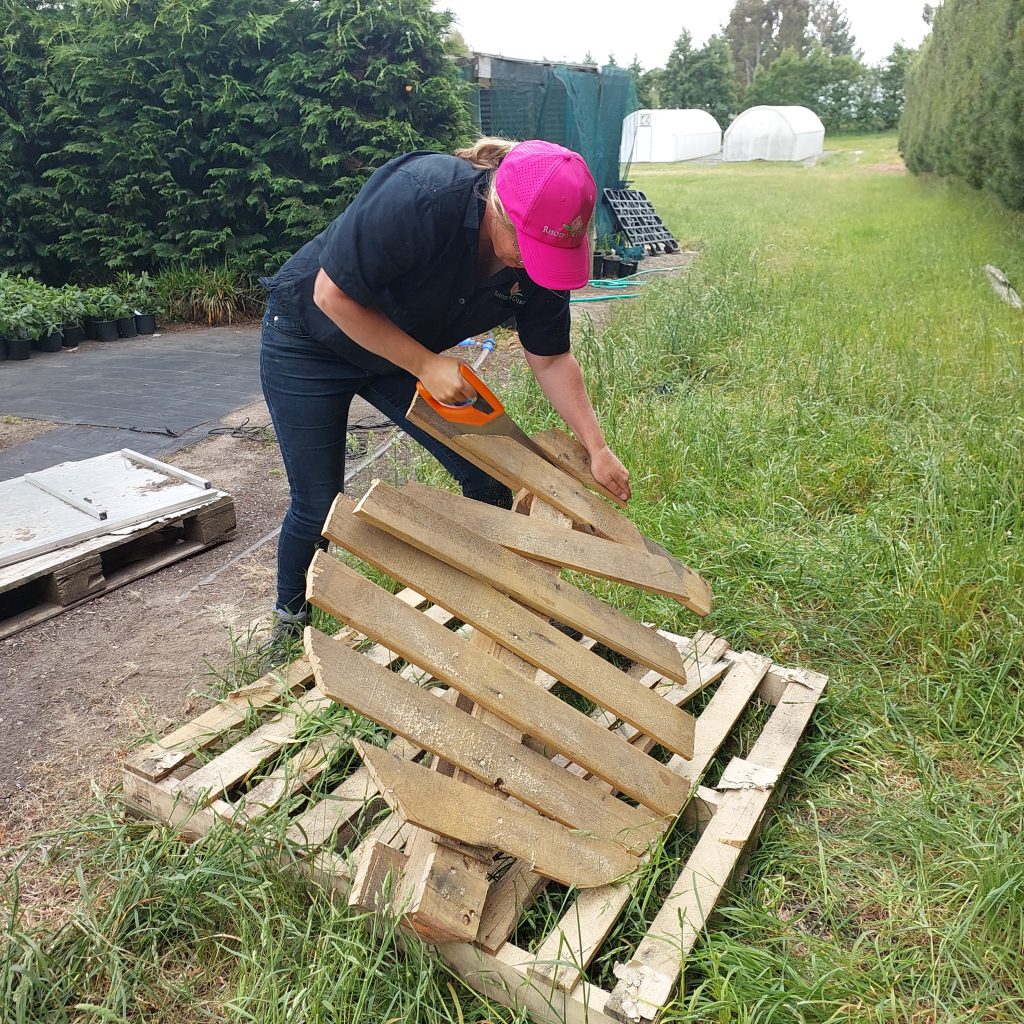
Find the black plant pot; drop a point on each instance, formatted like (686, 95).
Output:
(3, 349)
(627, 268)
(19, 348)
(49, 342)
(106, 330)
(145, 323)
(126, 327)
(597, 266)
(90, 328)
(611, 265)
(73, 335)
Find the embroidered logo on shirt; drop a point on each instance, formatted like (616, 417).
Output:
(514, 295)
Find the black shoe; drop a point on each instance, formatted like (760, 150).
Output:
(282, 646)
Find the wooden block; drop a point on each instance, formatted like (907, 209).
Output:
(77, 580)
(444, 888)
(450, 808)
(570, 549)
(350, 597)
(212, 523)
(472, 745)
(517, 467)
(509, 573)
(378, 872)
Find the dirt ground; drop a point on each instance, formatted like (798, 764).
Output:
(79, 690)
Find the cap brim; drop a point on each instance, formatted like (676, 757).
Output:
(551, 266)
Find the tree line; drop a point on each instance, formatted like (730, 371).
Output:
(965, 98)
(138, 132)
(800, 52)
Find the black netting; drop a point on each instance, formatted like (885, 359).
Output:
(578, 107)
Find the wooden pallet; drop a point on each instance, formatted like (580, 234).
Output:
(39, 588)
(660, 715)
(244, 762)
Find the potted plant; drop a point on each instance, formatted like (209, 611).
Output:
(72, 307)
(123, 315)
(140, 293)
(50, 337)
(23, 324)
(101, 308)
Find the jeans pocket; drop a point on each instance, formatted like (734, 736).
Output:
(285, 325)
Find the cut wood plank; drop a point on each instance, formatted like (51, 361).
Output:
(517, 467)
(350, 597)
(570, 549)
(570, 456)
(441, 537)
(472, 745)
(439, 804)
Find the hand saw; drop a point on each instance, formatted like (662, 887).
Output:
(483, 415)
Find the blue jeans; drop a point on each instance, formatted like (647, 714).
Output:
(309, 390)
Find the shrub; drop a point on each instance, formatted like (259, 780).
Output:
(964, 112)
(204, 130)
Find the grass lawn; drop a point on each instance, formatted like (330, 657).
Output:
(824, 416)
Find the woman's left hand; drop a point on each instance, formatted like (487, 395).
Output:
(609, 472)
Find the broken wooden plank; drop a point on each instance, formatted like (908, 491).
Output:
(571, 549)
(442, 805)
(569, 455)
(437, 535)
(517, 467)
(344, 593)
(472, 745)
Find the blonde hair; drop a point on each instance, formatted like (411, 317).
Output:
(485, 154)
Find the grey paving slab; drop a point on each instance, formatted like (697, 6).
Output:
(175, 381)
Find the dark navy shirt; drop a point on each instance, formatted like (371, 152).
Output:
(407, 247)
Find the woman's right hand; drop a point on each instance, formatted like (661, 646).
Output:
(443, 378)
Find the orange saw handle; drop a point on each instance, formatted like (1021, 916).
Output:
(477, 413)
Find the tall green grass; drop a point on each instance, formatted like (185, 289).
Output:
(825, 416)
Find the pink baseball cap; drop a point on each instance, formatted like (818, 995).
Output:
(549, 193)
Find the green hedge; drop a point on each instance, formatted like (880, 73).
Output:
(140, 132)
(964, 112)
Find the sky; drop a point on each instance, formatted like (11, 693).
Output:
(569, 29)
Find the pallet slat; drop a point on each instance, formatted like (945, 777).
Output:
(513, 627)
(350, 597)
(437, 535)
(431, 801)
(571, 549)
(472, 745)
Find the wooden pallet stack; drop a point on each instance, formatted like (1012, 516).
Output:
(517, 754)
